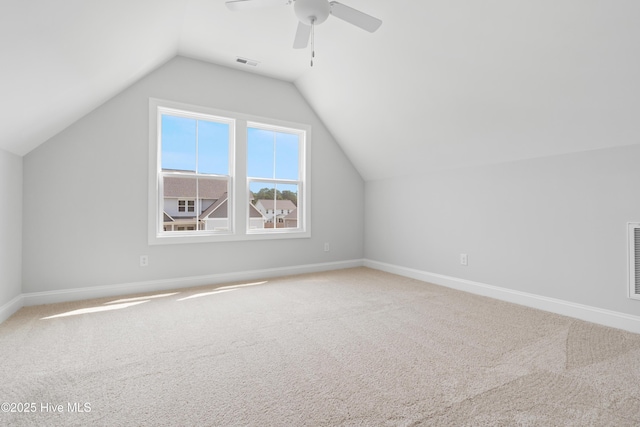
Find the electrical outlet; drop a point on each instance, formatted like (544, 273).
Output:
(326, 247)
(463, 259)
(144, 260)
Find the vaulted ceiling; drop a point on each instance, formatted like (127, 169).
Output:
(441, 84)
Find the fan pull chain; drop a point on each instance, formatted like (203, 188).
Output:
(313, 51)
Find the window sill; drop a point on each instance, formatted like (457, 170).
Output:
(186, 238)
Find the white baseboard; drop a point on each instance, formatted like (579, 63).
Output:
(8, 309)
(597, 315)
(64, 295)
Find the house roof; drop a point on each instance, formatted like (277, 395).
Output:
(219, 209)
(186, 188)
(279, 204)
(254, 212)
(292, 215)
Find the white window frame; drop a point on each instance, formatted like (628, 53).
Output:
(303, 162)
(238, 196)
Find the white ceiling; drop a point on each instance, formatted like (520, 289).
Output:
(443, 83)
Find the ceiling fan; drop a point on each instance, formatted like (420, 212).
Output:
(311, 13)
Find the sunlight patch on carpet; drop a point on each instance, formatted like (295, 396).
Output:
(243, 285)
(95, 309)
(142, 298)
(206, 294)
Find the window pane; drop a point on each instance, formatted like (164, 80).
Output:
(272, 154)
(286, 156)
(213, 147)
(213, 204)
(192, 203)
(178, 143)
(260, 153)
(277, 203)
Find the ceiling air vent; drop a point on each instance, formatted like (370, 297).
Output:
(247, 61)
(634, 260)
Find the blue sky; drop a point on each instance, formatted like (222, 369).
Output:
(270, 154)
(179, 145)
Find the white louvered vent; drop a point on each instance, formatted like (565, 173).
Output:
(634, 260)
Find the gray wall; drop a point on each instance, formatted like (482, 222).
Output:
(552, 226)
(85, 190)
(10, 226)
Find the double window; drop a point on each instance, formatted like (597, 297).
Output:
(217, 175)
(186, 205)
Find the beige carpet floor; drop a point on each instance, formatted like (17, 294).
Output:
(354, 347)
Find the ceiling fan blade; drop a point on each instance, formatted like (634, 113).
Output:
(302, 36)
(253, 4)
(355, 17)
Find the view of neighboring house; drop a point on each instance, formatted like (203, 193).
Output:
(200, 204)
(291, 220)
(278, 213)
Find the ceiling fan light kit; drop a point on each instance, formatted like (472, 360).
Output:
(311, 13)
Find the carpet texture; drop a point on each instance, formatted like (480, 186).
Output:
(354, 347)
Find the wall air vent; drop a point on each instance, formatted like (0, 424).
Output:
(634, 260)
(247, 61)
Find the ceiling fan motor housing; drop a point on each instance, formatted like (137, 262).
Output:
(312, 11)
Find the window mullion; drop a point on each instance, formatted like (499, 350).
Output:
(275, 185)
(196, 208)
(240, 182)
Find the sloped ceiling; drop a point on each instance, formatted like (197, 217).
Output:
(60, 59)
(442, 84)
